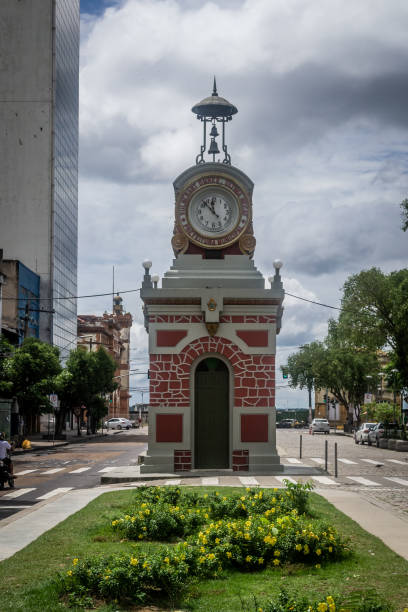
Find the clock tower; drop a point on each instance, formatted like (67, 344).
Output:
(212, 325)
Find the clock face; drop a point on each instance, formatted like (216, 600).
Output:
(213, 212)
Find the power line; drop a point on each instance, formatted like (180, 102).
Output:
(76, 297)
(313, 301)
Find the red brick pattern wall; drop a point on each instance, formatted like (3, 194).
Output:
(240, 461)
(248, 319)
(176, 319)
(182, 460)
(254, 375)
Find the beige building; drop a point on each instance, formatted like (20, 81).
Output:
(112, 331)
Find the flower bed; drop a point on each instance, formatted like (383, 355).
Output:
(245, 532)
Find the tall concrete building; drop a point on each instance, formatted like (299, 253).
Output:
(39, 68)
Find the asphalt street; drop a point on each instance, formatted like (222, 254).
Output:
(378, 475)
(44, 474)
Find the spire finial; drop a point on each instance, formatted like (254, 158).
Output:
(214, 93)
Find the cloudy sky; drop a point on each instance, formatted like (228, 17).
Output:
(321, 88)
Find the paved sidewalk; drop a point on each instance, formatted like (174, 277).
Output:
(21, 529)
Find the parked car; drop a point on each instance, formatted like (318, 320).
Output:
(320, 425)
(361, 435)
(118, 423)
(377, 432)
(285, 423)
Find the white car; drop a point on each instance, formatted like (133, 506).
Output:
(320, 425)
(118, 423)
(361, 435)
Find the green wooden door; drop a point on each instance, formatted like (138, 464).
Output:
(211, 415)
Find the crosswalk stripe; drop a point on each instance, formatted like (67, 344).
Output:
(400, 481)
(248, 481)
(17, 493)
(317, 460)
(372, 461)
(293, 460)
(210, 481)
(347, 461)
(19, 507)
(80, 470)
(25, 472)
(53, 471)
(324, 480)
(364, 481)
(175, 481)
(107, 469)
(282, 478)
(55, 492)
(398, 461)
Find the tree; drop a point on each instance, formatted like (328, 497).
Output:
(335, 365)
(375, 313)
(86, 379)
(32, 371)
(6, 351)
(303, 368)
(404, 214)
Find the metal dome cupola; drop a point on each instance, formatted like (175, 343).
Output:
(214, 109)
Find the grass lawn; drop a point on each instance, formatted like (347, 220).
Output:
(26, 580)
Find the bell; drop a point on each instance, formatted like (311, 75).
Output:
(213, 150)
(214, 131)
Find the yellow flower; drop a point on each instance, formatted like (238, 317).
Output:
(306, 549)
(332, 607)
(229, 555)
(205, 515)
(202, 549)
(330, 599)
(69, 573)
(322, 607)
(217, 540)
(145, 565)
(75, 561)
(248, 558)
(276, 561)
(260, 560)
(277, 553)
(330, 548)
(201, 559)
(298, 547)
(211, 556)
(242, 498)
(318, 552)
(134, 561)
(247, 489)
(318, 566)
(166, 560)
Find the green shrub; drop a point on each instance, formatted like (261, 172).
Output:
(246, 532)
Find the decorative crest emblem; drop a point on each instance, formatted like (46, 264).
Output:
(212, 305)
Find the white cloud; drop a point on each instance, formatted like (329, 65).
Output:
(322, 129)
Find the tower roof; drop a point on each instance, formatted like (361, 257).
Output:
(214, 106)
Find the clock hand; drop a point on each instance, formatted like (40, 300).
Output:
(213, 200)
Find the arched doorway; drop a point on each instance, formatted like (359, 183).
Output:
(211, 419)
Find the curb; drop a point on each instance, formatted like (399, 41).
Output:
(59, 444)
